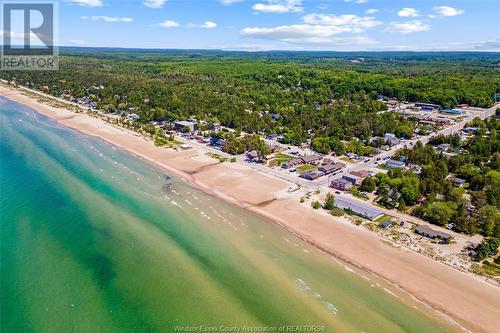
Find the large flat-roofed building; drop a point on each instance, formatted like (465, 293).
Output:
(427, 231)
(185, 126)
(310, 159)
(427, 106)
(341, 184)
(358, 208)
(331, 167)
(312, 175)
(394, 164)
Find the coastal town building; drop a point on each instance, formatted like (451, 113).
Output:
(310, 159)
(341, 184)
(358, 208)
(391, 164)
(331, 168)
(312, 175)
(427, 231)
(184, 126)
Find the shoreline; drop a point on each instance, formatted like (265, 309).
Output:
(467, 299)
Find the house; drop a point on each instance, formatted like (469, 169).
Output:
(391, 103)
(355, 180)
(331, 168)
(458, 182)
(312, 175)
(415, 168)
(216, 127)
(358, 208)
(427, 106)
(394, 164)
(353, 156)
(310, 159)
(391, 139)
(427, 231)
(341, 184)
(389, 136)
(443, 147)
(185, 126)
(253, 155)
(291, 163)
(386, 224)
(470, 129)
(362, 174)
(217, 142)
(133, 116)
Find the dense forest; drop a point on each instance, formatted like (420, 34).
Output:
(301, 95)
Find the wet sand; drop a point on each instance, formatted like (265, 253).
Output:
(471, 301)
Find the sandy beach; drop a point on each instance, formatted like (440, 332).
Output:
(472, 302)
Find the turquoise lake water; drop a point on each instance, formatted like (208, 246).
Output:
(94, 239)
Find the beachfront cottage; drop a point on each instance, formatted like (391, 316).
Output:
(427, 231)
(184, 126)
(358, 208)
(217, 142)
(386, 224)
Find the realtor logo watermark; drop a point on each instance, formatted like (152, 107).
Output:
(29, 32)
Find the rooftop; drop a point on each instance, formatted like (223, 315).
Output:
(359, 208)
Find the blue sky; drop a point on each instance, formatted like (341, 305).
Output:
(282, 24)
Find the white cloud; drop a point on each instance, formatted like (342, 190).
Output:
(448, 11)
(371, 11)
(207, 25)
(407, 27)
(279, 6)
(18, 37)
(154, 3)
(349, 22)
(317, 29)
(107, 19)
(304, 34)
(88, 3)
(168, 24)
(408, 12)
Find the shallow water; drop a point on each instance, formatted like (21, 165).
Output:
(96, 240)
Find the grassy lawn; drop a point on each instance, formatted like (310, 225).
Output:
(347, 159)
(491, 268)
(282, 158)
(305, 167)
